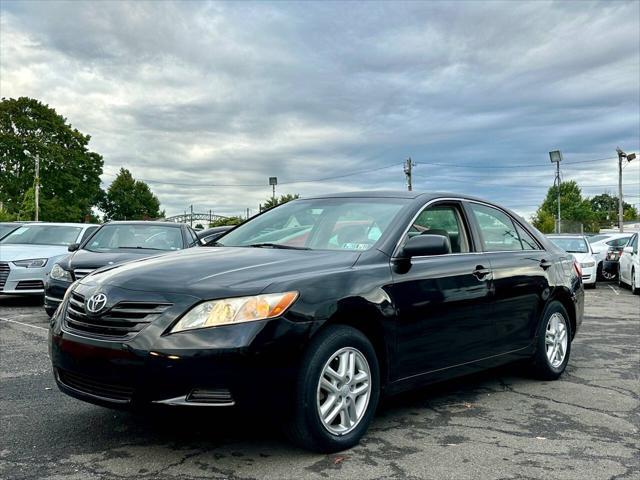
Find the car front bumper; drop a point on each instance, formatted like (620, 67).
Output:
(54, 291)
(21, 280)
(238, 364)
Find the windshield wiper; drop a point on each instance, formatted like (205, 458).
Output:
(277, 245)
(145, 248)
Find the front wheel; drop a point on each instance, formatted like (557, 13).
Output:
(554, 343)
(337, 391)
(635, 289)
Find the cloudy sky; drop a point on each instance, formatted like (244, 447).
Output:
(205, 101)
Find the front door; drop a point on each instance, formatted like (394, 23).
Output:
(442, 301)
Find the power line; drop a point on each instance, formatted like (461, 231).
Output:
(524, 165)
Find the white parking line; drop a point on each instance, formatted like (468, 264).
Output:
(25, 324)
(613, 288)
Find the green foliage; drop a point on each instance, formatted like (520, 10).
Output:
(6, 216)
(222, 222)
(69, 172)
(274, 202)
(199, 226)
(544, 221)
(574, 209)
(130, 199)
(605, 207)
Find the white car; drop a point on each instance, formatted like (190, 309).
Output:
(28, 253)
(629, 265)
(600, 246)
(579, 247)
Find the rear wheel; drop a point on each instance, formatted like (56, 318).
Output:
(337, 391)
(635, 289)
(554, 343)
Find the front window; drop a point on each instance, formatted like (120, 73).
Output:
(4, 229)
(44, 235)
(571, 244)
(148, 237)
(322, 224)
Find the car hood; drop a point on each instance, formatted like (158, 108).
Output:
(211, 272)
(10, 252)
(88, 259)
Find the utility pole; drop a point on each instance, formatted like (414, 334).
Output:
(556, 157)
(629, 157)
(191, 217)
(37, 192)
(408, 166)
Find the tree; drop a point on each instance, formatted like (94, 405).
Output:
(221, 222)
(605, 207)
(130, 199)
(199, 226)
(573, 208)
(275, 201)
(69, 172)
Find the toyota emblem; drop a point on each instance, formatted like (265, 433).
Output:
(96, 302)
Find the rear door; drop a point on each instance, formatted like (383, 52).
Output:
(520, 281)
(442, 301)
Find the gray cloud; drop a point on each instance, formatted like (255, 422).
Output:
(231, 93)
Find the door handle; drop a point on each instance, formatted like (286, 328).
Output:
(482, 273)
(544, 264)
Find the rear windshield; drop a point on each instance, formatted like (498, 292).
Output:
(44, 235)
(571, 244)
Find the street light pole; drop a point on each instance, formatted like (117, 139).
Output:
(629, 157)
(556, 157)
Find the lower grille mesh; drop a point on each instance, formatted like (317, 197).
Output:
(95, 387)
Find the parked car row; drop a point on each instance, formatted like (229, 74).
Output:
(314, 309)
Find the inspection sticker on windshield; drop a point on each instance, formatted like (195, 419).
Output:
(356, 246)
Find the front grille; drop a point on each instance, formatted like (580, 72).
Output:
(95, 387)
(4, 273)
(79, 273)
(30, 285)
(122, 321)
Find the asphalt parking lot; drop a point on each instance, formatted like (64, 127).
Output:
(497, 425)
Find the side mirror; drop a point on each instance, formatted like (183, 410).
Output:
(73, 247)
(628, 250)
(427, 244)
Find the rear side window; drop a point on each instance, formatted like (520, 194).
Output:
(618, 242)
(497, 229)
(442, 220)
(528, 243)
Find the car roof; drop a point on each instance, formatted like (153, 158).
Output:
(59, 224)
(145, 222)
(400, 194)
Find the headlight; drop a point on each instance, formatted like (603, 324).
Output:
(235, 310)
(59, 273)
(31, 263)
(588, 264)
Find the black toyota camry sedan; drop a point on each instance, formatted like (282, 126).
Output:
(320, 306)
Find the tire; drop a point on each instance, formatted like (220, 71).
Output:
(50, 311)
(635, 289)
(541, 365)
(327, 350)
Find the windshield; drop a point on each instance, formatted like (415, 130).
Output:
(4, 229)
(571, 244)
(597, 238)
(151, 237)
(323, 224)
(44, 235)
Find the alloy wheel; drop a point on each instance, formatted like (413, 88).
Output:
(343, 392)
(556, 339)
